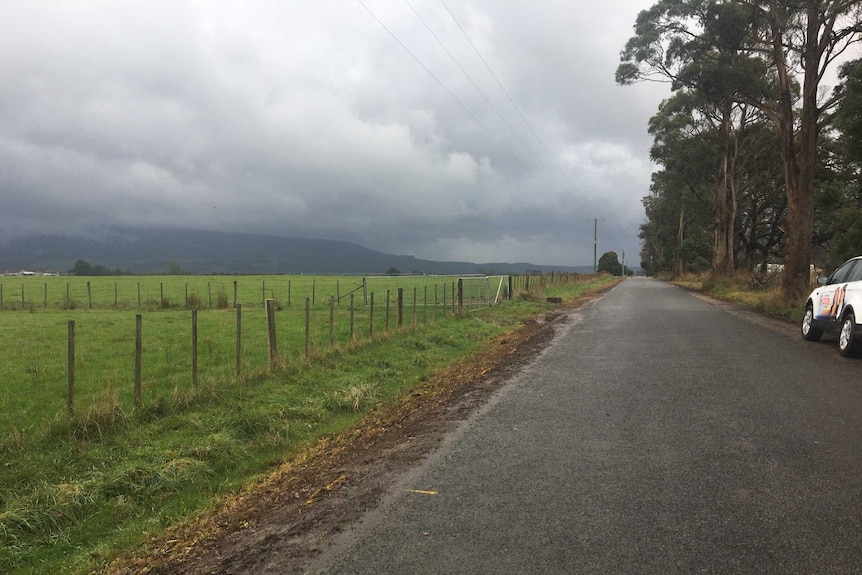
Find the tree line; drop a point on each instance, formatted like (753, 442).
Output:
(760, 160)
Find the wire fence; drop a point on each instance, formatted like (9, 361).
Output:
(126, 348)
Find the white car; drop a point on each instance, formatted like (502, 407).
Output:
(832, 308)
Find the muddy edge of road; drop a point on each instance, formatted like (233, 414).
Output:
(281, 521)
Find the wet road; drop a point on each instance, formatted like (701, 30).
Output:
(658, 434)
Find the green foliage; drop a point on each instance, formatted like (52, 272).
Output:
(729, 81)
(696, 253)
(609, 262)
(83, 268)
(847, 242)
(848, 118)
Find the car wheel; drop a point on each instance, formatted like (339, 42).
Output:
(848, 343)
(809, 332)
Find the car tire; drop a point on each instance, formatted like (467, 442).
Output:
(809, 332)
(848, 340)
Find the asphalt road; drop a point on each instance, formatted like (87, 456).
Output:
(657, 434)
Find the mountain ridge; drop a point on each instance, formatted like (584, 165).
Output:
(152, 250)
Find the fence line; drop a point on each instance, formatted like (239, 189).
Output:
(518, 284)
(133, 292)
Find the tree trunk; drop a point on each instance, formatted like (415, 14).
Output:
(800, 157)
(723, 260)
(678, 265)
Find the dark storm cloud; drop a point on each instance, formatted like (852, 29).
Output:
(309, 119)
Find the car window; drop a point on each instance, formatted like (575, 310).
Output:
(855, 274)
(840, 275)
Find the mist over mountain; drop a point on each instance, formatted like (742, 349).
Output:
(146, 251)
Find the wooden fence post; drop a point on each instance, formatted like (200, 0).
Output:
(138, 358)
(68, 298)
(352, 335)
(187, 294)
(45, 299)
(425, 307)
(460, 296)
(387, 310)
(400, 307)
(89, 296)
(270, 331)
(331, 321)
(238, 340)
(371, 317)
(210, 293)
(307, 325)
(70, 370)
(414, 306)
(162, 294)
(116, 296)
(194, 346)
(139, 295)
(234, 293)
(454, 300)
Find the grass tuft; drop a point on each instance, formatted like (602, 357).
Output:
(351, 397)
(100, 417)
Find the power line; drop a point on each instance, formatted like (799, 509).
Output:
(442, 85)
(506, 92)
(475, 85)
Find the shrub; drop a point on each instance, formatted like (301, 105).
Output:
(221, 298)
(195, 301)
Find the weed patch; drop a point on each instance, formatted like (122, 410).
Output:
(761, 292)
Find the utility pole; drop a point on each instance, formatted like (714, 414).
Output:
(595, 244)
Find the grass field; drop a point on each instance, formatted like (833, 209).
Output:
(75, 490)
(33, 374)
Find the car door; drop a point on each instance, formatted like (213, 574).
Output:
(832, 296)
(853, 290)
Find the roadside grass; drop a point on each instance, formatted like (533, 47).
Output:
(33, 338)
(76, 491)
(760, 293)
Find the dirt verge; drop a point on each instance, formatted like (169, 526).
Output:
(281, 522)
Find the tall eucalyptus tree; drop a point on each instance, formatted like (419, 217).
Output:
(679, 204)
(801, 39)
(753, 53)
(699, 46)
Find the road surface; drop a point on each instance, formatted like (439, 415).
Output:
(658, 434)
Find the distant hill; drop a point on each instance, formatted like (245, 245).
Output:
(148, 251)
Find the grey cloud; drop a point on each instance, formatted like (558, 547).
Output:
(308, 119)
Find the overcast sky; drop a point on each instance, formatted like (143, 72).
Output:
(335, 119)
